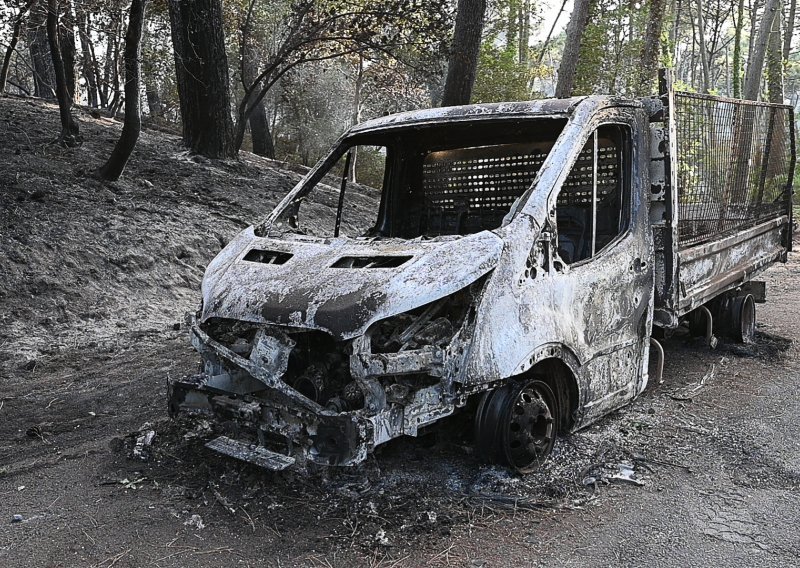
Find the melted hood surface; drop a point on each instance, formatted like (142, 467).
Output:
(342, 285)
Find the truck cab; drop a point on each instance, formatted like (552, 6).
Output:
(495, 259)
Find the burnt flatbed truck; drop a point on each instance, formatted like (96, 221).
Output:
(509, 260)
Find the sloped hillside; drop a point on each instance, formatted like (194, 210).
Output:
(100, 265)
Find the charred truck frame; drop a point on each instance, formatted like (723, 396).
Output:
(513, 260)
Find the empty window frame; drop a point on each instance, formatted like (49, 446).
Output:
(592, 204)
(459, 179)
(471, 189)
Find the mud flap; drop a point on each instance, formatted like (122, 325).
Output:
(251, 453)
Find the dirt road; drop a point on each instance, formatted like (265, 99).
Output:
(703, 469)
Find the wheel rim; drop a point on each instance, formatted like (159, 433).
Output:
(530, 426)
(516, 425)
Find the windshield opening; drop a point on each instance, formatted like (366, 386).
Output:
(423, 181)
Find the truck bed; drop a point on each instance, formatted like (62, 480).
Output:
(721, 206)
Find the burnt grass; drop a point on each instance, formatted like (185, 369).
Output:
(94, 283)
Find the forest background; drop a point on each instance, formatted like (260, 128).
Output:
(285, 78)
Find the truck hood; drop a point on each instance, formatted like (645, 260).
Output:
(340, 285)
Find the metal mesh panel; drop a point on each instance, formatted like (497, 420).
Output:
(577, 188)
(488, 177)
(734, 164)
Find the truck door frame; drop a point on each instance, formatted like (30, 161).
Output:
(614, 313)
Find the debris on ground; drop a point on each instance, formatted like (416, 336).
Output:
(195, 521)
(141, 449)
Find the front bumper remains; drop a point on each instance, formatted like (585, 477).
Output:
(277, 427)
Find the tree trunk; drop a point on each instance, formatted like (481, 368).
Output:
(44, 80)
(355, 114)
(745, 116)
(87, 55)
(108, 64)
(513, 21)
(201, 66)
(788, 30)
(154, 104)
(752, 8)
(673, 34)
(13, 44)
(115, 165)
(569, 60)
(259, 125)
(775, 159)
(775, 62)
(70, 131)
(737, 51)
(703, 49)
(464, 51)
(260, 134)
(755, 67)
(66, 42)
(648, 58)
(550, 34)
(524, 31)
(116, 92)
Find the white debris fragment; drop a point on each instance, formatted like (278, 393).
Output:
(627, 474)
(195, 521)
(142, 442)
(381, 538)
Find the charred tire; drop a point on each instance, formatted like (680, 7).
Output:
(743, 318)
(516, 425)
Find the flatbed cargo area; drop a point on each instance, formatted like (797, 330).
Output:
(722, 211)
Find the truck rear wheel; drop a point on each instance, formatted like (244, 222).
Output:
(516, 425)
(743, 318)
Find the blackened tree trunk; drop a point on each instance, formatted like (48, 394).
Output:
(572, 47)
(201, 67)
(70, 131)
(66, 42)
(115, 165)
(259, 131)
(463, 61)
(18, 21)
(44, 79)
(259, 125)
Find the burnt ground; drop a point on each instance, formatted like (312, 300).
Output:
(94, 279)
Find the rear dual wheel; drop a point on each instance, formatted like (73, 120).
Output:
(516, 425)
(734, 317)
(743, 319)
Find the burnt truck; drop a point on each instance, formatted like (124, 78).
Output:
(509, 260)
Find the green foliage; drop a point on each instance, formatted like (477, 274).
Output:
(500, 76)
(507, 66)
(611, 48)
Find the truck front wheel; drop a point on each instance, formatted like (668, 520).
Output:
(516, 424)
